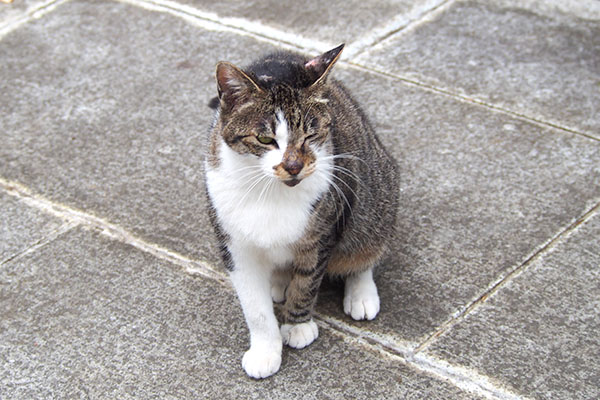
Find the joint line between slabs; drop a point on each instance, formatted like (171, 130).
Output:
(29, 15)
(463, 378)
(470, 100)
(292, 42)
(401, 23)
(501, 282)
(236, 25)
(115, 232)
(50, 237)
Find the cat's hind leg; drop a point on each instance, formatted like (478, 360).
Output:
(361, 300)
(279, 282)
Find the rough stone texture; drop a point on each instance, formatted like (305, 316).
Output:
(21, 227)
(18, 8)
(584, 9)
(480, 192)
(324, 22)
(121, 134)
(540, 333)
(547, 67)
(103, 320)
(105, 109)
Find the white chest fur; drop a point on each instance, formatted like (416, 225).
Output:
(254, 207)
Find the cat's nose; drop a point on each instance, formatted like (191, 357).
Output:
(293, 167)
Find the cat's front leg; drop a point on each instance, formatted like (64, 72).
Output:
(251, 279)
(299, 330)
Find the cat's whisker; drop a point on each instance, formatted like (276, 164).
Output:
(349, 156)
(249, 175)
(348, 186)
(265, 189)
(341, 200)
(335, 202)
(340, 192)
(250, 167)
(256, 181)
(348, 173)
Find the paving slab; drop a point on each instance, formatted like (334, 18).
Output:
(481, 191)
(540, 333)
(105, 109)
(22, 226)
(85, 316)
(10, 12)
(328, 23)
(107, 113)
(583, 9)
(546, 67)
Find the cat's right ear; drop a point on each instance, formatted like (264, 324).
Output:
(320, 66)
(234, 86)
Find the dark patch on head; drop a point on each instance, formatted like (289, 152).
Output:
(292, 83)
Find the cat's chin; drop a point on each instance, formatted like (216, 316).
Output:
(292, 182)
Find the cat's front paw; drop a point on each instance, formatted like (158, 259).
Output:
(260, 363)
(299, 335)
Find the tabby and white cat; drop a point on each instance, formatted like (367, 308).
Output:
(299, 185)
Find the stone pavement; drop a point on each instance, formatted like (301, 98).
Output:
(110, 282)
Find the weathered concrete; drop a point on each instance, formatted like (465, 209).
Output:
(543, 66)
(489, 107)
(540, 331)
(22, 227)
(88, 317)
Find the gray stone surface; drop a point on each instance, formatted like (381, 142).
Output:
(323, 22)
(584, 9)
(18, 8)
(480, 191)
(540, 333)
(105, 109)
(86, 317)
(121, 132)
(546, 67)
(22, 227)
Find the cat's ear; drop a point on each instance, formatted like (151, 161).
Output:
(234, 85)
(320, 66)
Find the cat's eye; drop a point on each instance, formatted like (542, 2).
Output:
(266, 140)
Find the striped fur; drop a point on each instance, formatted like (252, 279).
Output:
(299, 186)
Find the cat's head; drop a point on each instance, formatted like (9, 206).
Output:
(276, 111)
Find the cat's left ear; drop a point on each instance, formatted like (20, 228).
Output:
(320, 66)
(234, 85)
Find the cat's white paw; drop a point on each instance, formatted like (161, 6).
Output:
(361, 300)
(260, 363)
(361, 307)
(299, 335)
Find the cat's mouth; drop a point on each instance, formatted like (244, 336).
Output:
(292, 182)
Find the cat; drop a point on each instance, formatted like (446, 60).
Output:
(299, 185)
